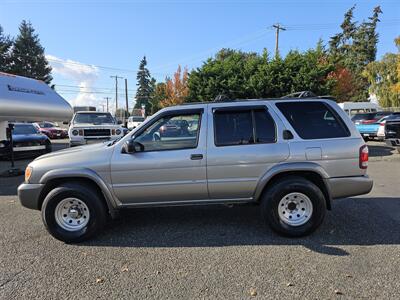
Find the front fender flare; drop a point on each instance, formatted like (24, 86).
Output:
(83, 173)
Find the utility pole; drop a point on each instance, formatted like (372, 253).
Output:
(126, 95)
(116, 91)
(107, 98)
(278, 27)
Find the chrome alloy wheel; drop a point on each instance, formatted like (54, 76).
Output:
(72, 214)
(295, 209)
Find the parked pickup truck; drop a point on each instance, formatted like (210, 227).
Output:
(90, 127)
(372, 130)
(291, 157)
(392, 131)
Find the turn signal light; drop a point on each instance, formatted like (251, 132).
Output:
(28, 173)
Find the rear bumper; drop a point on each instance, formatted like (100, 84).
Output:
(29, 194)
(342, 187)
(393, 142)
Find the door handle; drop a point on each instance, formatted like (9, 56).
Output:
(196, 156)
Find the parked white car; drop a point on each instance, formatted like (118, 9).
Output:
(90, 127)
(135, 121)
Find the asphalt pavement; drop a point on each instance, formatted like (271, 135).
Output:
(210, 252)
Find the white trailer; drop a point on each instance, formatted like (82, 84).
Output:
(24, 99)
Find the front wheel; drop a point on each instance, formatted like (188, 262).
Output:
(293, 206)
(73, 212)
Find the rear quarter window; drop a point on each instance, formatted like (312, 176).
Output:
(314, 120)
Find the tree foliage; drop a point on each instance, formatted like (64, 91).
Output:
(145, 86)
(27, 55)
(351, 51)
(5, 46)
(383, 77)
(237, 74)
(176, 89)
(228, 73)
(158, 95)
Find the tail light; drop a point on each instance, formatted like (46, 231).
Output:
(382, 123)
(364, 157)
(367, 121)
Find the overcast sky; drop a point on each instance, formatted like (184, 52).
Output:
(87, 41)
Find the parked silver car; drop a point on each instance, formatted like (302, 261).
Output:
(290, 156)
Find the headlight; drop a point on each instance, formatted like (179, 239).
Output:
(118, 131)
(28, 173)
(75, 132)
(2, 145)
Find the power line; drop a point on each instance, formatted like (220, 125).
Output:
(84, 87)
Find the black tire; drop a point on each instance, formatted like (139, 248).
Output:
(90, 197)
(270, 204)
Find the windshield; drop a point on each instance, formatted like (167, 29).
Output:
(98, 118)
(363, 117)
(136, 119)
(24, 129)
(395, 116)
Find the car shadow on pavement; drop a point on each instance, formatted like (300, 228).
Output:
(9, 185)
(353, 221)
(381, 150)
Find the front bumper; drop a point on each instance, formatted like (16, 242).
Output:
(29, 194)
(342, 187)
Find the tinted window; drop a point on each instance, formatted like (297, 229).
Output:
(243, 127)
(233, 128)
(24, 129)
(313, 120)
(265, 127)
(171, 133)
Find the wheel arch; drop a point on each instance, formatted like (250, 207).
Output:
(310, 171)
(88, 177)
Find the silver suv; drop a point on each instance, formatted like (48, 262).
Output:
(291, 157)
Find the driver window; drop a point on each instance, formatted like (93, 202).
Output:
(171, 133)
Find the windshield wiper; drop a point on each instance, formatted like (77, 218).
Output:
(114, 141)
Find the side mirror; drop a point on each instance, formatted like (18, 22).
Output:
(66, 123)
(131, 146)
(119, 122)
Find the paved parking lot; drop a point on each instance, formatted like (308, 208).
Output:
(211, 252)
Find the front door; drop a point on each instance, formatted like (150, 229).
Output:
(172, 166)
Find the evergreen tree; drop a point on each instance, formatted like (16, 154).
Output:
(351, 51)
(27, 55)
(144, 87)
(5, 45)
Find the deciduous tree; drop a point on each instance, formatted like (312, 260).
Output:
(176, 89)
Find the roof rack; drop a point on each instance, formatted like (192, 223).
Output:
(307, 94)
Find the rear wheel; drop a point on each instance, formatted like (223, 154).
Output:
(293, 206)
(73, 212)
